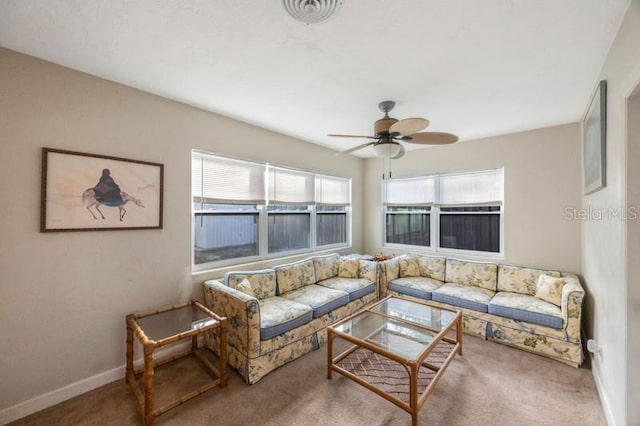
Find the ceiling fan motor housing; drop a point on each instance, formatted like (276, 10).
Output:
(382, 126)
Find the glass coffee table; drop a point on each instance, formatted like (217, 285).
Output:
(399, 349)
(162, 327)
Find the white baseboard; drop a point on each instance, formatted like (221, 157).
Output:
(57, 396)
(69, 391)
(604, 401)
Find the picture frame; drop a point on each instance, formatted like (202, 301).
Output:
(90, 192)
(594, 136)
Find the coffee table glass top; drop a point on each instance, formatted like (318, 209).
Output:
(428, 316)
(399, 326)
(393, 336)
(175, 321)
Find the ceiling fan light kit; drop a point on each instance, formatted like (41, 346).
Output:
(311, 11)
(389, 132)
(386, 149)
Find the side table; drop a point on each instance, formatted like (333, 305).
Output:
(162, 327)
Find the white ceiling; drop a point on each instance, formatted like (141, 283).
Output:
(474, 68)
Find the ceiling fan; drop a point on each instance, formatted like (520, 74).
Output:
(389, 132)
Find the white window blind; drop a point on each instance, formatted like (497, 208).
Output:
(409, 192)
(219, 180)
(333, 191)
(485, 187)
(288, 186)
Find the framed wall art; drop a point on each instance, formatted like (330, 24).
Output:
(88, 192)
(594, 135)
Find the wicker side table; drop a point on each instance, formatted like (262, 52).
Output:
(161, 327)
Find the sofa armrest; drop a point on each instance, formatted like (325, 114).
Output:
(572, 296)
(389, 271)
(243, 315)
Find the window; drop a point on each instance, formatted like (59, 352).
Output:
(333, 197)
(461, 211)
(246, 211)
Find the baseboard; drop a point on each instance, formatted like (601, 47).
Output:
(69, 391)
(604, 401)
(57, 396)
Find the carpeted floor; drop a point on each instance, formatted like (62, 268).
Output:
(491, 384)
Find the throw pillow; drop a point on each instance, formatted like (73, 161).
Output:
(549, 289)
(244, 286)
(348, 268)
(409, 267)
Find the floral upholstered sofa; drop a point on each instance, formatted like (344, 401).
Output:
(531, 309)
(277, 315)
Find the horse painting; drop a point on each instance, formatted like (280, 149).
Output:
(89, 200)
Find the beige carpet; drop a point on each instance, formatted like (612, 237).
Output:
(491, 384)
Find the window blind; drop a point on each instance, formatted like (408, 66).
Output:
(218, 180)
(287, 186)
(484, 187)
(409, 192)
(333, 191)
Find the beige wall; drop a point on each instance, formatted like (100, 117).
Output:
(542, 179)
(64, 296)
(633, 258)
(604, 242)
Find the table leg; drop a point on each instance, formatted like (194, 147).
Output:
(223, 353)
(148, 384)
(459, 334)
(330, 337)
(414, 370)
(129, 356)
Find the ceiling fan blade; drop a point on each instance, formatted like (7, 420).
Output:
(433, 138)
(355, 148)
(399, 154)
(409, 126)
(351, 136)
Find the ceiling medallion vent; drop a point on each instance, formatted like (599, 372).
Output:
(311, 11)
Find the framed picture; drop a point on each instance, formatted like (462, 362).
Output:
(88, 192)
(594, 135)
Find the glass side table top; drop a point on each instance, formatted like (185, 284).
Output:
(175, 321)
(428, 316)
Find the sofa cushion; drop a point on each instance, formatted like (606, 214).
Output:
(522, 307)
(420, 287)
(245, 287)
(464, 296)
(279, 315)
(326, 266)
(348, 267)
(320, 299)
(263, 282)
(356, 287)
(295, 275)
(432, 267)
(520, 280)
(483, 275)
(408, 266)
(549, 289)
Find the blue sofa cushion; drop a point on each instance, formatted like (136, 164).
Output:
(321, 299)
(464, 296)
(420, 287)
(522, 307)
(356, 287)
(279, 315)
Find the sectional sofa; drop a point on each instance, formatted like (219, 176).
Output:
(531, 309)
(277, 315)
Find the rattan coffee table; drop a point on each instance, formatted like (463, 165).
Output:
(162, 327)
(399, 349)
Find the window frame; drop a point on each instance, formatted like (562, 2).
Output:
(435, 214)
(263, 214)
